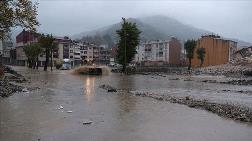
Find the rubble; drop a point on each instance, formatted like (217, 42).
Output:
(108, 88)
(236, 112)
(235, 70)
(8, 84)
(7, 88)
(239, 82)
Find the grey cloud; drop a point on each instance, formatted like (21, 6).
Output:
(66, 17)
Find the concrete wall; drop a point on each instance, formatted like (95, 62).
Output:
(175, 52)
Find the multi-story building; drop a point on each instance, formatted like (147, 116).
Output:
(104, 55)
(140, 54)
(86, 52)
(218, 50)
(75, 54)
(63, 49)
(22, 39)
(96, 54)
(165, 51)
(6, 54)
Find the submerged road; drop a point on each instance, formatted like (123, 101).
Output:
(62, 108)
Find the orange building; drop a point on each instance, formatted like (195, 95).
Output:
(218, 51)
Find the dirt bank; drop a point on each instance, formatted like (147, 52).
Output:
(9, 82)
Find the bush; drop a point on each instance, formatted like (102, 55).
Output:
(58, 64)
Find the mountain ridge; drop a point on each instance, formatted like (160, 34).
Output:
(156, 27)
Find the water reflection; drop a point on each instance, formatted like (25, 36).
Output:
(89, 83)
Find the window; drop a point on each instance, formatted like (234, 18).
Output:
(71, 56)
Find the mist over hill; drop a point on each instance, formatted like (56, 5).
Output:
(153, 28)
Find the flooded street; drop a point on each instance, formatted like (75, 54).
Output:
(57, 111)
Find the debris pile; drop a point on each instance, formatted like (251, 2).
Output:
(7, 88)
(108, 88)
(227, 69)
(231, 111)
(7, 83)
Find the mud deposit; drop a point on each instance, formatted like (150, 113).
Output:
(74, 108)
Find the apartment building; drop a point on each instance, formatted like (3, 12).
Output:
(78, 52)
(165, 51)
(104, 55)
(140, 54)
(86, 52)
(8, 48)
(75, 54)
(218, 50)
(22, 39)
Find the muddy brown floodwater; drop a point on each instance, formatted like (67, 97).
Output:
(65, 102)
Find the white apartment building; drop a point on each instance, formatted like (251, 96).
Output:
(140, 53)
(166, 51)
(157, 51)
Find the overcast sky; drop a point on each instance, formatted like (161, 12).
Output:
(67, 17)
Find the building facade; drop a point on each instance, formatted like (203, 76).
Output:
(6, 53)
(218, 51)
(159, 51)
(104, 55)
(22, 39)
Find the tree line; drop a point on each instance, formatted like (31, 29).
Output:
(45, 46)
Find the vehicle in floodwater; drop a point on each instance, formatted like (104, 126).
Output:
(66, 64)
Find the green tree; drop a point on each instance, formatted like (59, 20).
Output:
(32, 52)
(15, 13)
(46, 42)
(201, 52)
(129, 37)
(190, 46)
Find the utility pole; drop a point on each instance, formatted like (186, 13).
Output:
(125, 55)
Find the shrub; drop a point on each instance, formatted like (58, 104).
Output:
(58, 64)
